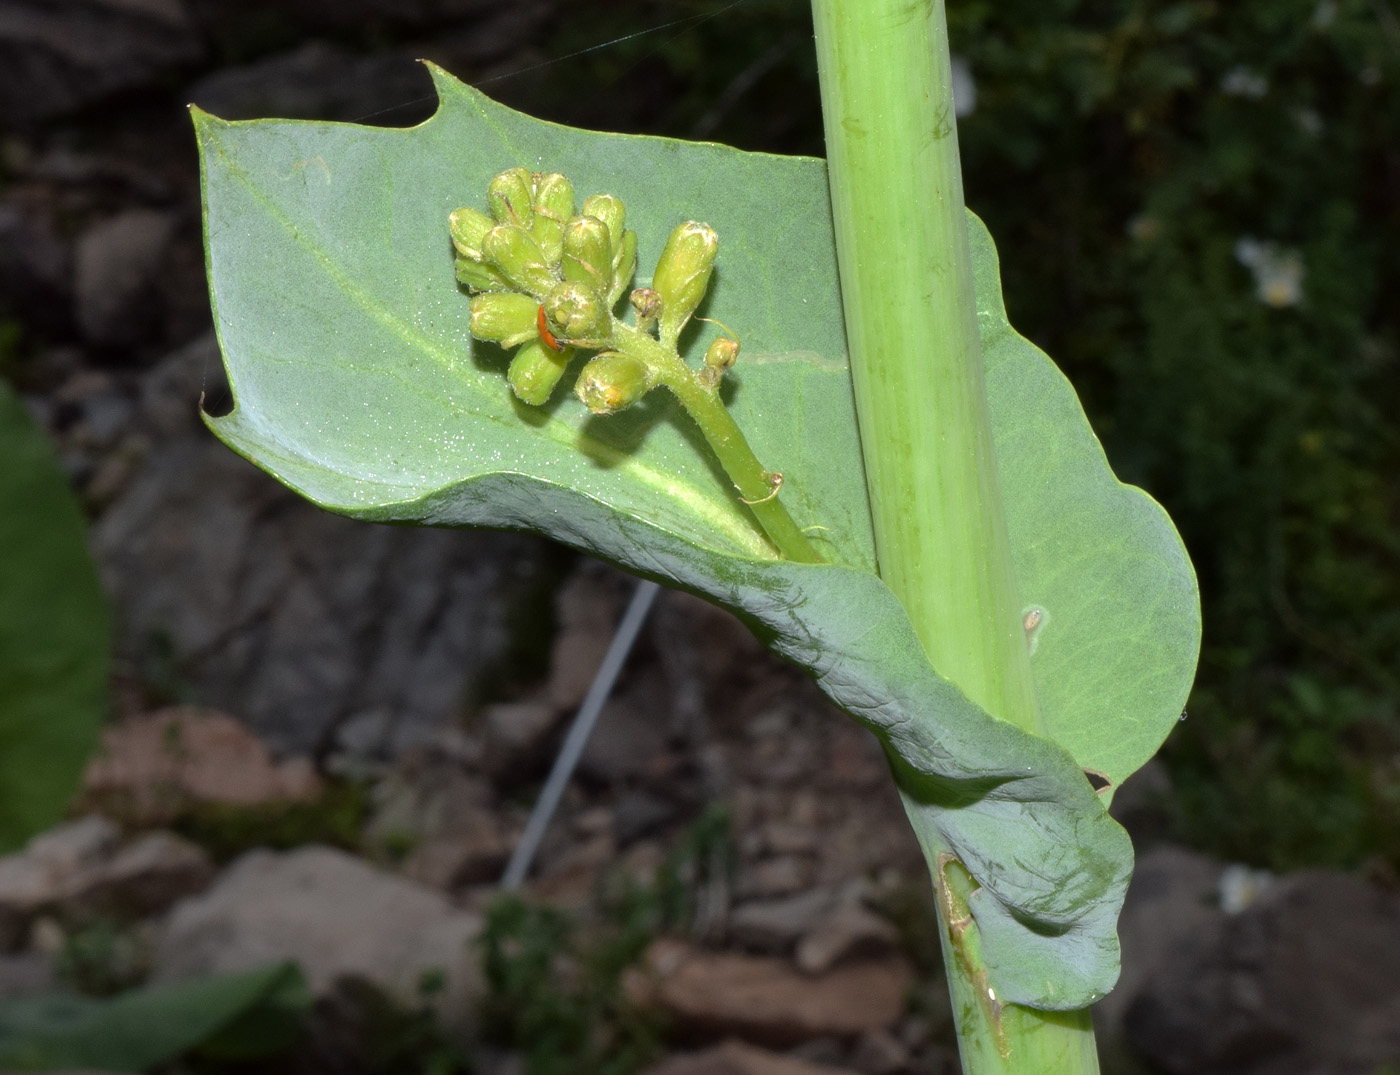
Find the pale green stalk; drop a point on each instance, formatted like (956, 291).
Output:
(756, 486)
(911, 324)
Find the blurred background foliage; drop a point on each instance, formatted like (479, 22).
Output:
(1198, 210)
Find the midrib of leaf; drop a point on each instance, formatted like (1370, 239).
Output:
(709, 510)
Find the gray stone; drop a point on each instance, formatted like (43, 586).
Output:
(334, 915)
(775, 926)
(879, 1052)
(847, 932)
(36, 271)
(59, 55)
(117, 267)
(81, 870)
(1303, 981)
(47, 869)
(630, 733)
(290, 617)
(446, 819)
(736, 1058)
(1173, 897)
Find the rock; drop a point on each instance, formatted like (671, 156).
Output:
(879, 1052)
(516, 736)
(81, 870)
(155, 763)
(36, 271)
(763, 1000)
(295, 619)
(117, 268)
(445, 818)
(58, 55)
(777, 876)
(147, 875)
(334, 915)
(47, 868)
(27, 973)
(774, 926)
(1303, 981)
(630, 733)
(640, 814)
(1172, 898)
(587, 609)
(736, 1058)
(847, 932)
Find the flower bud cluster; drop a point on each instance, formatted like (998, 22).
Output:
(546, 274)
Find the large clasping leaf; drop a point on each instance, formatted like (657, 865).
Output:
(355, 382)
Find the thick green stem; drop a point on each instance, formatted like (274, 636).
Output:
(757, 486)
(916, 364)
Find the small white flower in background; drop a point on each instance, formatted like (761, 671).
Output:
(1309, 121)
(1278, 271)
(964, 88)
(1242, 82)
(1240, 886)
(1144, 228)
(1324, 14)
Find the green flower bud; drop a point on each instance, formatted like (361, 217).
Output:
(722, 353)
(682, 274)
(505, 317)
(479, 276)
(469, 228)
(719, 357)
(578, 315)
(587, 256)
(611, 381)
(647, 302)
(554, 205)
(535, 371)
(623, 266)
(514, 252)
(510, 196)
(610, 211)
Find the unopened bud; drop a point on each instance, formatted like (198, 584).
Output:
(623, 266)
(469, 228)
(578, 315)
(535, 371)
(722, 353)
(611, 381)
(610, 211)
(719, 357)
(587, 256)
(504, 317)
(647, 302)
(683, 274)
(554, 205)
(479, 276)
(510, 196)
(514, 252)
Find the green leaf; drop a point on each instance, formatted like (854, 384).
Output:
(53, 633)
(141, 1028)
(355, 382)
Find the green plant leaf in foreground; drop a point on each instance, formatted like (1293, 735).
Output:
(136, 1030)
(53, 633)
(356, 383)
